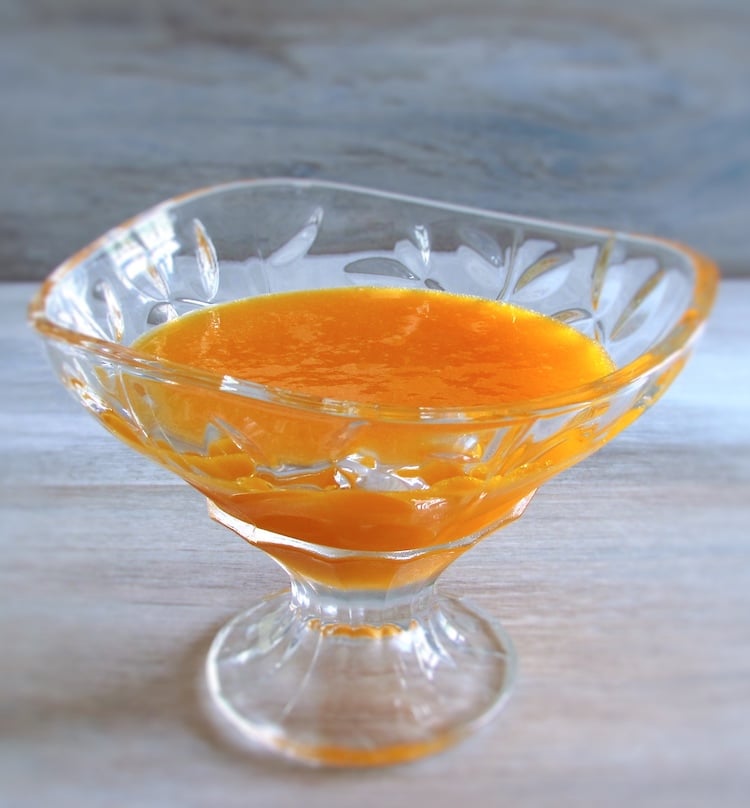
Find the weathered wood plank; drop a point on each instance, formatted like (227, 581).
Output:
(626, 588)
(632, 115)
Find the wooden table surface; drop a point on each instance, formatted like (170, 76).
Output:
(626, 587)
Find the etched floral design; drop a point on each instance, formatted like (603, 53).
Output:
(625, 293)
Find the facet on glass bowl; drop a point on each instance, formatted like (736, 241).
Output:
(362, 661)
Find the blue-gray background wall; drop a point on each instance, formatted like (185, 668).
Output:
(634, 114)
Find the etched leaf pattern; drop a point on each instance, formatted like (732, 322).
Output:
(206, 261)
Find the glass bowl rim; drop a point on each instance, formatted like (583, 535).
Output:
(676, 342)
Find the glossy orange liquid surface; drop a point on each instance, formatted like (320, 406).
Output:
(385, 346)
(356, 483)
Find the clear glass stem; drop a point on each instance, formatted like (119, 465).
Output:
(366, 613)
(358, 678)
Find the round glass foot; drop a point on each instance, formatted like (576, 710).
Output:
(352, 682)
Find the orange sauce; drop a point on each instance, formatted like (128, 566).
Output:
(401, 347)
(358, 483)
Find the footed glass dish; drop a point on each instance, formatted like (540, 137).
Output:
(362, 661)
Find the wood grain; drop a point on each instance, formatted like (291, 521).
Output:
(626, 588)
(629, 115)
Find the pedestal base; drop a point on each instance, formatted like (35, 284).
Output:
(357, 683)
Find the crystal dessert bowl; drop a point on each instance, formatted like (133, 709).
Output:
(361, 661)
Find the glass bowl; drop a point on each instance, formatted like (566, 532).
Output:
(361, 661)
